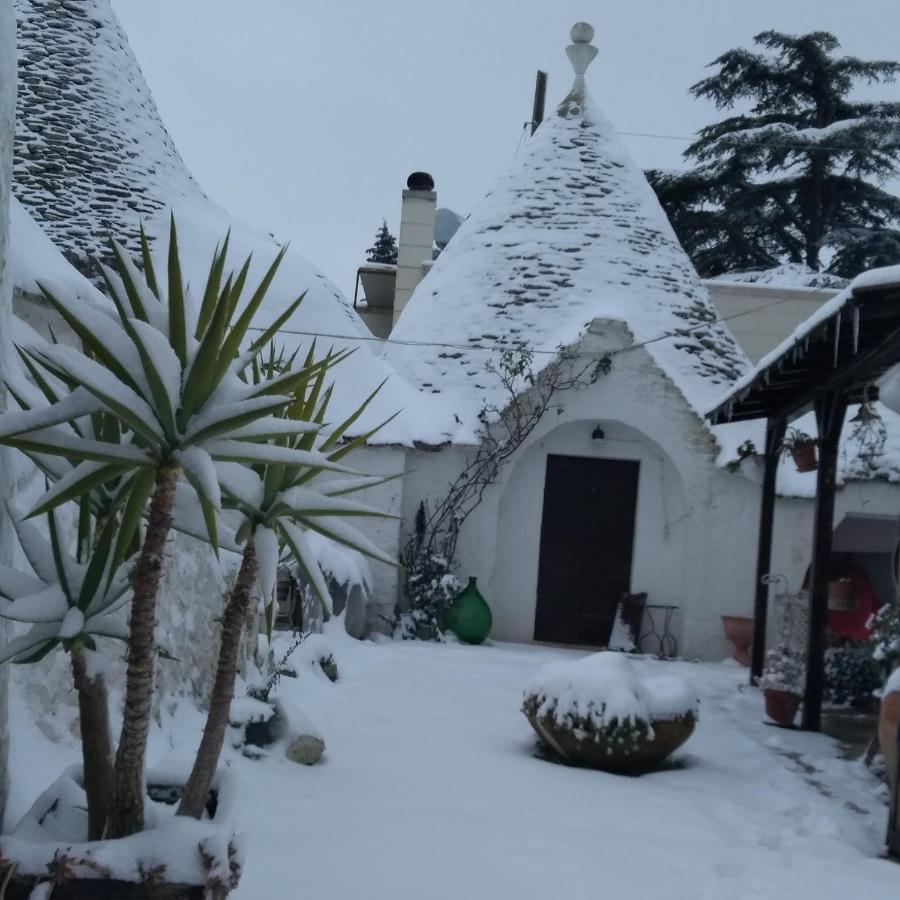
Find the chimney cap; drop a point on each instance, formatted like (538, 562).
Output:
(420, 181)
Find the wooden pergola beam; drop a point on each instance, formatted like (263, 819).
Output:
(830, 410)
(774, 435)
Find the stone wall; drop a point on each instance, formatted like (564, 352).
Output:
(7, 128)
(92, 155)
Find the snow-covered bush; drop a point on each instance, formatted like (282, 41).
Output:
(884, 628)
(785, 670)
(597, 709)
(851, 676)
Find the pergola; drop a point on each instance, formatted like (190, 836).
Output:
(830, 361)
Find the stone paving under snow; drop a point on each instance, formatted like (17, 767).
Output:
(430, 790)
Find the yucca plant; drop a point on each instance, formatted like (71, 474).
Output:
(167, 372)
(69, 602)
(275, 505)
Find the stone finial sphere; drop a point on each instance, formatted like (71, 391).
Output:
(581, 33)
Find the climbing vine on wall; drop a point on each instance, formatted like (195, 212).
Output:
(504, 426)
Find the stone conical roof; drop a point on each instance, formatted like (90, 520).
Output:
(92, 155)
(572, 233)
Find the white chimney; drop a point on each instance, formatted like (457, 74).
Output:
(414, 246)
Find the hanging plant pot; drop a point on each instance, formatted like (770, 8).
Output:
(781, 706)
(469, 618)
(842, 595)
(804, 455)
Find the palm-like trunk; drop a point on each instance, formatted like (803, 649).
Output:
(196, 791)
(127, 814)
(96, 744)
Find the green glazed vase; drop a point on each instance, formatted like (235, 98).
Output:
(469, 618)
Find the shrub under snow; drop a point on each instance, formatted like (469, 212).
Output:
(604, 689)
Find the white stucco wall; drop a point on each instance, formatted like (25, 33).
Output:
(385, 533)
(693, 520)
(7, 130)
(761, 316)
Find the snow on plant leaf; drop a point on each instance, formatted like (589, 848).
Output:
(273, 427)
(49, 604)
(101, 331)
(217, 419)
(147, 304)
(306, 560)
(60, 442)
(243, 451)
(77, 404)
(339, 486)
(163, 359)
(14, 583)
(76, 482)
(118, 397)
(241, 483)
(36, 547)
(188, 518)
(30, 643)
(306, 501)
(266, 543)
(344, 533)
(201, 471)
(72, 624)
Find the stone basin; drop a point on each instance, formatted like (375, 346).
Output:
(626, 748)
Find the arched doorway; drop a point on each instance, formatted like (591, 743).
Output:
(586, 547)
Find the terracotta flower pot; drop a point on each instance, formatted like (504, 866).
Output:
(781, 706)
(888, 723)
(622, 747)
(739, 630)
(804, 456)
(51, 838)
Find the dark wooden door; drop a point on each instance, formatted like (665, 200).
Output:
(587, 541)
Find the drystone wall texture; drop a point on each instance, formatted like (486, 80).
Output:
(92, 156)
(7, 129)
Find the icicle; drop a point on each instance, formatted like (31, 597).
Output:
(729, 409)
(806, 344)
(794, 354)
(855, 329)
(837, 338)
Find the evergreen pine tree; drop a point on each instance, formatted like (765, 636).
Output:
(799, 178)
(384, 250)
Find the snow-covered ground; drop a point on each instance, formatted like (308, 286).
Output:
(430, 789)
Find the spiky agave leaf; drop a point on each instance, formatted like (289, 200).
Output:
(166, 376)
(67, 602)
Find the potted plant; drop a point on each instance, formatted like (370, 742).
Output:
(782, 683)
(604, 712)
(802, 449)
(168, 398)
(748, 462)
(739, 630)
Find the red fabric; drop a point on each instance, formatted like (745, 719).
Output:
(852, 624)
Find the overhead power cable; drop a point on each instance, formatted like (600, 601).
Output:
(502, 347)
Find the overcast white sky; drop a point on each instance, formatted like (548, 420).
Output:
(305, 116)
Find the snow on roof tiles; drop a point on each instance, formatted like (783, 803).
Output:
(92, 155)
(92, 158)
(572, 233)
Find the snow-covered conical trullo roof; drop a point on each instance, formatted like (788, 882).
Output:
(92, 155)
(572, 233)
(93, 158)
